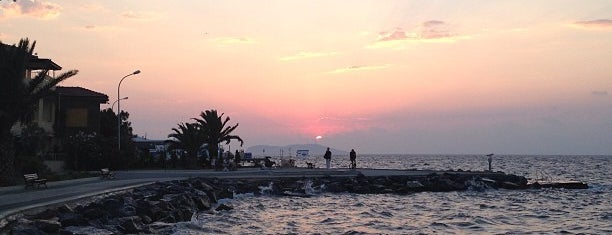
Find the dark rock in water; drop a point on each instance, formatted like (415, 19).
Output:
(113, 206)
(564, 185)
(413, 184)
(48, 226)
(85, 230)
(46, 214)
(183, 214)
(65, 209)
(72, 219)
(226, 193)
(168, 219)
(94, 213)
(149, 209)
(145, 219)
(510, 185)
(130, 224)
(27, 230)
(202, 202)
(224, 207)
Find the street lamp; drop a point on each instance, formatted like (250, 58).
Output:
(119, 110)
(113, 106)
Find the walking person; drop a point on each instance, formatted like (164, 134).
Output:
(327, 157)
(353, 156)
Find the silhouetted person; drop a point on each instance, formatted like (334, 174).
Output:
(353, 156)
(268, 163)
(327, 157)
(490, 160)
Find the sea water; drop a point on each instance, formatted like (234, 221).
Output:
(543, 211)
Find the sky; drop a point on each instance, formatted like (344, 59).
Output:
(414, 77)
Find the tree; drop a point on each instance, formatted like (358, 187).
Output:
(19, 96)
(188, 137)
(108, 138)
(216, 131)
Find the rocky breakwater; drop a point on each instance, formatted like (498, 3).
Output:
(148, 209)
(152, 209)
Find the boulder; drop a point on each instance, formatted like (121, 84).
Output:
(414, 184)
(224, 207)
(47, 214)
(48, 226)
(202, 203)
(71, 219)
(65, 209)
(27, 229)
(94, 213)
(130, 224)
(84, 230)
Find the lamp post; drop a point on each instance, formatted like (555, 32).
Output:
(113, 106)
(119, 110)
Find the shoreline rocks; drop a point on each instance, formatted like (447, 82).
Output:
(152, 209)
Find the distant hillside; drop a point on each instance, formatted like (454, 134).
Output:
(314, 150)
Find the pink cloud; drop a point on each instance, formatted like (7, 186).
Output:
(594, 24)
(32, 8)
(432, 29)
(397, 34)
(138, 15)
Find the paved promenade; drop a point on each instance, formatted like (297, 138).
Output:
(16, 199)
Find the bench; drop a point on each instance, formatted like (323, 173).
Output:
(105, 173)
(34, 179)
(310, 165)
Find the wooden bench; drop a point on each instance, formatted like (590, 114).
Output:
(105, 173)
(34, 179)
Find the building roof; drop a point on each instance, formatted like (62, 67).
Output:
(37, 63)
(80, 92)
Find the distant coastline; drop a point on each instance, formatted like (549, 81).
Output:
(290, 150)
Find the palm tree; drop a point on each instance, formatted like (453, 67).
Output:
(216, 131)
(188, 137)
(19, 96)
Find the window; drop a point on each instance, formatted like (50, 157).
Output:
(76, 118)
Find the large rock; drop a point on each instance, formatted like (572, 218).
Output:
(48, 226)
(27, 230)
(130, 224)
(94, 213)
(47, 214)
(85, 230)
(224, 207)
(72, 219)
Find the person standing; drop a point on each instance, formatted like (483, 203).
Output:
(353, 156)
(490, 160)
(327, 157)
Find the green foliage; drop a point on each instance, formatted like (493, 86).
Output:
(29, 149)
(211, 129)
(108, 141)
(188, 137)
(216, 131)
(32, 141)
(108, 123)
(19, 97)
(83, 152)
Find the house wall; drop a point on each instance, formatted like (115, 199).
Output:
(44, 116)
(77, 114)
